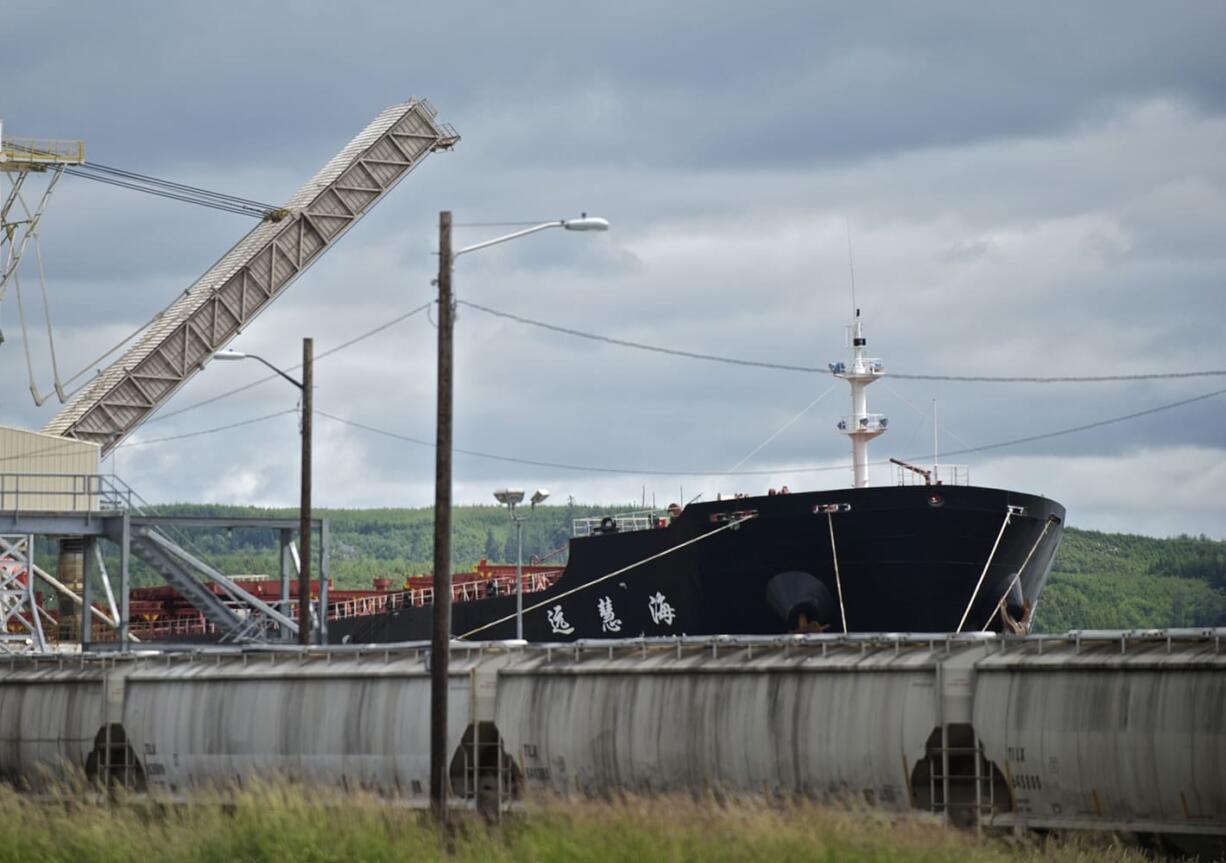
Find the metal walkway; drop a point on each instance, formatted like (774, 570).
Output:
(251, 275)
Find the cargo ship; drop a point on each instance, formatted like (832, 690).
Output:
(930, 554)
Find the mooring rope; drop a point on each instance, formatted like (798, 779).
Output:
(1051, 519)
(838, 582)
(983, 575)
(606, 577)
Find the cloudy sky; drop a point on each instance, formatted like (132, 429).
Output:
(1029, 189)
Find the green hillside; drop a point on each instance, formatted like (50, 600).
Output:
(1099, 580)
(1124, 581)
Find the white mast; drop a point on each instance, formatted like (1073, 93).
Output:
(861, 426)
(936, 461)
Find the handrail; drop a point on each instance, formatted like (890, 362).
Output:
(41, 151)
(63, 492)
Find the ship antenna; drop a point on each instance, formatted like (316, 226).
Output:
(936, 464)
(851, 266)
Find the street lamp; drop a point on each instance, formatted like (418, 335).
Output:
(510, 498)
(440, 642)
(304, 511)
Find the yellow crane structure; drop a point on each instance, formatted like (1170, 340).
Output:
(19, 158)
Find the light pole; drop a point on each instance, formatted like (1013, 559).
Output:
(440, 641)
(304, 511)
(510, 498)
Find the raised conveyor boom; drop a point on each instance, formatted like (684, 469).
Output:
(251, 275)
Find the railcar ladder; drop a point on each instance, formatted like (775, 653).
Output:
(962, 792)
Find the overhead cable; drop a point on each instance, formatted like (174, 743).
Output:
(715, 358)
(1081, 428)
(239, 424)
(195, 190)
(353, 341)
(780, 470)
(171, 190)
(651, 472)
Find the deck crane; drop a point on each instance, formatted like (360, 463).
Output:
(245, 280)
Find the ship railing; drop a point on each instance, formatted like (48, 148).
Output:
(946, 474)
(626, 521)
(361, 606)
(178, 626)
(855, 368)
(866, 422)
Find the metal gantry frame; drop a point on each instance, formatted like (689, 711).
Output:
(238, 614)
(19, 222)
(21, 630)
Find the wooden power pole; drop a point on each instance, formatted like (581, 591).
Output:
(440, 644)
(304, 512)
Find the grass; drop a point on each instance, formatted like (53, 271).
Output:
(281, 822)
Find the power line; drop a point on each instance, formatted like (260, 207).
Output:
(715, 358)
(1087, 426)
(653, 472)
(775, 471)
(353, 341)
(499, 224)
(247, 422)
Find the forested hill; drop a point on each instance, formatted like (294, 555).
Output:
(1100, 580)
(1122, 581)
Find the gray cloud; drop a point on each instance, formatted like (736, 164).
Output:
(1028, 191)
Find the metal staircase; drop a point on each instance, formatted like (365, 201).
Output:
(244, 618)
(177, 576)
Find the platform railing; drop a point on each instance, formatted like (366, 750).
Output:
(63, 492)
(42, 151)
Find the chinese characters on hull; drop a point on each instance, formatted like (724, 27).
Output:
(609, 622)
(557, 621)
(659, 609)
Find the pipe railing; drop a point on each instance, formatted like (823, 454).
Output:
(63, 492)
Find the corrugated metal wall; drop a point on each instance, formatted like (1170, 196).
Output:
(45, 473)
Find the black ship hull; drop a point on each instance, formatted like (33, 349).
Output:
(893, 559)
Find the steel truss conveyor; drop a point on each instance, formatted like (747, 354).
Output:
(251, 275)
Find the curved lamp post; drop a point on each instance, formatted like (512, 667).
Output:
(304, 512)
(440, 642)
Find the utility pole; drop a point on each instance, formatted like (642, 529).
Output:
(304, 527)
(519, 574)
(440, 643)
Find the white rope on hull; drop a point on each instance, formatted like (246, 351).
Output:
(984, 574)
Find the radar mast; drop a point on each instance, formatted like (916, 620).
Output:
(861, 426)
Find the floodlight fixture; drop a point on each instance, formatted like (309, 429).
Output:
(509, 496)
(539, 496)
